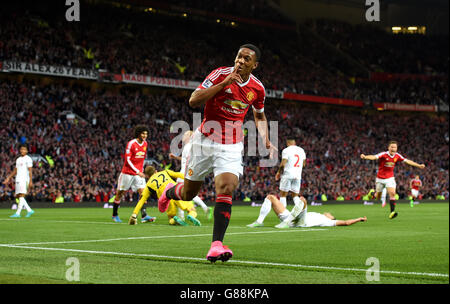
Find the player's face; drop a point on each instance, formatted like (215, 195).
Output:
(392, 148)
(23, 151)
(143, 136)
(245, 61)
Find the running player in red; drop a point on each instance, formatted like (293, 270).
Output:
(385, 176)
(227, 94)
(415, 185)
(132, 175)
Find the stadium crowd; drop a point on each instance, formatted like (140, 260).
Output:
(86, 150)
(148, 43)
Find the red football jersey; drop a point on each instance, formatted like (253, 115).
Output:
(386, 164)
(416, 184)
(229, 106)
(134, 157)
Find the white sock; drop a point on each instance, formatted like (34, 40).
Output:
(301, 217)
(19, 206)
(198, 201)
(24, 203)
(180, 213)
(383, 196)
(264, 211)
(283, 201)
(298, 201)
(296, 211)
(285, 213)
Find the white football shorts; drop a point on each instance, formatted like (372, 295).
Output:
(21, 187)
(290, 184)
(127, 181)
(206, 156)
(385, 183)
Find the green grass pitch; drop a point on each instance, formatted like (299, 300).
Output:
(412, 248)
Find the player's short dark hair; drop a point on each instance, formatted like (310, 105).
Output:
(23, 145)
(139, 129)
(253, 48)
(149, 171)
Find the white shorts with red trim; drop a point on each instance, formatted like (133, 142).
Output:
(206, 156)
(385, 183)
(127, 181)
(415, 193)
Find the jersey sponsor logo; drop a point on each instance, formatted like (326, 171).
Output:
(207, 83)
(233, 111)
(236, 104)
(250, 96)
(389, 164)
(140, 154)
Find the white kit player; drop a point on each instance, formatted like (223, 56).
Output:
(300, 217)
(292, 163)
(23, 173)
(186, 140)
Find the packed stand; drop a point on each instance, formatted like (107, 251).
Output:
(87, 151)
(149, 44)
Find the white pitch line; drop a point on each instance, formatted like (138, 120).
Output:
(233, 261)
(103, 223)
(157, 237)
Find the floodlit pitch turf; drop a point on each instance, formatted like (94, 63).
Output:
(412, 248)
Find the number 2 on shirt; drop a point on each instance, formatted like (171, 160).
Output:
(298, 160)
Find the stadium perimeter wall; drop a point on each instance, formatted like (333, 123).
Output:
(37, 205)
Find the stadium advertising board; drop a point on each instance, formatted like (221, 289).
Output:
(405, 107)
(159, 81)
(51, 70)
(322, 99)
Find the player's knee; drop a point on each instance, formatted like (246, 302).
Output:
(226, 189)
(270, 197)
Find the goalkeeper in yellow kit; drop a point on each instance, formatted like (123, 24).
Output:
(157, 182)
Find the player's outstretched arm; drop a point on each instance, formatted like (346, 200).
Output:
(368, 157)
(351, 222)
(414, 164)
(144, 197)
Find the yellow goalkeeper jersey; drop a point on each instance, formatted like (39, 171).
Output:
(156, 185)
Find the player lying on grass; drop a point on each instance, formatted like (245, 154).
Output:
(300, 217)
(157, 182)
